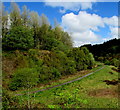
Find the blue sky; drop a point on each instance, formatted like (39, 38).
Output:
(86, 23)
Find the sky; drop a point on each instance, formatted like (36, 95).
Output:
(86, 22)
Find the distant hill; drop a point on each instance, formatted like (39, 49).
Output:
(108, 52)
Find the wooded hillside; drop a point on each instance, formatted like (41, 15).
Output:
(108, 52)
(36, 52)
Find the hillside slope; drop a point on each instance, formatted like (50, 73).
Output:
(90, 92)
(108, 52)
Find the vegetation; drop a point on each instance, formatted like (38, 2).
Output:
(18, 37)
(35, 53)
(26, 77)
(108, 52)
(78, 94)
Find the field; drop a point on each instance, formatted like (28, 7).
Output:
(89, 92)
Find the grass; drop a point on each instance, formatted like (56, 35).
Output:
(90, 92)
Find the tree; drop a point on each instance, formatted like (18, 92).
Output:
(4, 20)
(91, 60)
(66, 39)
(56, 24)
(44, 20)
(34, 22)
(58, 33)
(15, 16)
(19, 37)
(34, 19)
(25, 14)
(62, 36)
(44, 34)
(82, 57)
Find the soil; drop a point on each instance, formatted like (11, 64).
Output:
(112, 82)
(107, 92)
(111, 72)
(114, 69)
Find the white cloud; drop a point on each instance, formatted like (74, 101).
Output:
(70, 4)
(114, 32)
(86, 5)
(82, 27)
(84, 37)
(78, 43)
(113, 21)
(82, 22)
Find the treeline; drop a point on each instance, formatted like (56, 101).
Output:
(36, 52)
(24, 29)
(108, 52)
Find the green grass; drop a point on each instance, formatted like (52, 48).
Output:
(90, 92)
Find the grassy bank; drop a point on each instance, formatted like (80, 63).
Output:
(61, 80)
(90, 92)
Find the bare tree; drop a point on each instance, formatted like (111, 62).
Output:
(15, 16)
(25, 15)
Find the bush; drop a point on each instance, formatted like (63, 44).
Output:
(55, 72)
(48, 73)
(9, 101)
(107, 62)
(26, 78)
(115, 62)
(82, 57)
(67, 65)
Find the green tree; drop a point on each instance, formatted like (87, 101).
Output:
(82, 57)
(58, 33)
(66, 39)
(91, 60)
(44, 34)
(19, 37)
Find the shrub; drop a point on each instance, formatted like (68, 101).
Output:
(70, 66)
(48, 73)
(26, 77)
(115, 62)
(107, 62)
(82, 57)
(55, 72)
(9, 101)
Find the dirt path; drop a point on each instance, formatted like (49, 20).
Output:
(64, 83)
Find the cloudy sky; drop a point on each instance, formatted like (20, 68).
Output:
(87, 22)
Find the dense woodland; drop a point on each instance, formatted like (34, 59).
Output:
(35, 52)
(108, 52)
